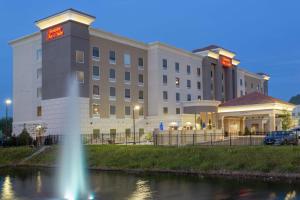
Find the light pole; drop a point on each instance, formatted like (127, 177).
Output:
(7, 103)
(136, 107)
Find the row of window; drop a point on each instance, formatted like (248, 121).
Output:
(112, 75)
(188, 97)
(113, 132)
(112, 110)
(112, 92)
(177, 82)
(166, 110)
(112, 57)
(177, 67)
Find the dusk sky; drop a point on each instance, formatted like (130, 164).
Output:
(265, 34)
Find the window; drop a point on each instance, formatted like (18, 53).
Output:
(198, 72)
(39, 92)
(188, 83)
(198, 85)
(79, 56)
(141, 131)
(127, 132)
(80, 76)
(165, 110)
(112, 57)
(141, 94)
(177, 96)
(251, 85)
(127, 76)
(165, 63)
(177, 111)
(96, 91)
(177, 82)
(127, 93)
(177, 67)
(39, 73)
(39, 111)
(96, 109)
(112, 92)
(96, 73)
(141, 62)
(96, 53)
(211, 73)
(188, 69)
(141, 78)
(165, 79)
(141, 111)
(38, 54)
(112, 110)
(241, 82)
(188, 97)
(199, 97)
(165, 95)
(127, 60)
(96, 133)
(127, 110)
(112, 74)
(242, 93)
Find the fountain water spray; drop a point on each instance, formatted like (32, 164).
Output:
(73, 181)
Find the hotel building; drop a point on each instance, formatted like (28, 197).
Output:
(173, 88)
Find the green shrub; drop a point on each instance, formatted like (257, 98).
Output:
(24, 138)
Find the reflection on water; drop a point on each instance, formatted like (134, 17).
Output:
(7, 190)
(37, 184)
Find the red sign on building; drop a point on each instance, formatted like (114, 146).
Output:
(225, 61)
(55, 32)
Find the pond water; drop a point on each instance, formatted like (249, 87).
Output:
(24, 183)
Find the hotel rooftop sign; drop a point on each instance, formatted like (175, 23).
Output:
(67, 15)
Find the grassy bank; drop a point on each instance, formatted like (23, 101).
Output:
(14, 155)
(242, 159)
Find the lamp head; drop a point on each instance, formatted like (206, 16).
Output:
(8, 102)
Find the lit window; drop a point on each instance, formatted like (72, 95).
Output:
(96, 72)
(165, 63)
(127, 93)
(127, 110)
(165, 95)
(79, 56)
(165, 79)
(112, 57)
(177, 82)
(96, 109)
(141, 94)
(80, 76)
(141, 62)
(96, 53)
(188, 69)
(112, 74)
(112, 110)
(127, 60)
(165, 110)
(39, 111)
(177, 111)
(127, 76)
(177, 67)
(39, 92)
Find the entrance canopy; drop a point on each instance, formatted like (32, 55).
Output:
(192, 107)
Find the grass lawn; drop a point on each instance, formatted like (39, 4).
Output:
(13, 155)
(283, 159)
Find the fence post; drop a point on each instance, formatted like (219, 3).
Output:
(250, 138)
(177, 139)
(102, 138)
(193, 139)
(230, 138)
(211, 143)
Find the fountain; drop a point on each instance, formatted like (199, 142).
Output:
(72, 178)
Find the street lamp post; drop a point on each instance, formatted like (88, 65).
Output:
(7, 103)
(137, 107)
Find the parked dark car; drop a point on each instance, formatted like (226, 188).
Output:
(296, 131)
(281, 138)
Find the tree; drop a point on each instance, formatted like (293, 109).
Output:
(3, 125)
(286, 120)
(295, 100)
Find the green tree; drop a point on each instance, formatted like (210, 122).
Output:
(295, 100)
(286, 120)
(24, 138)
(3, 125)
